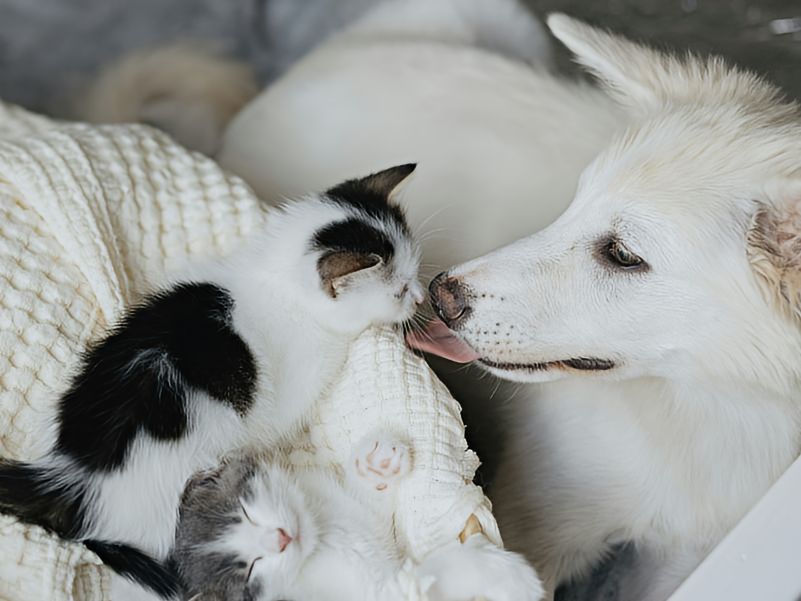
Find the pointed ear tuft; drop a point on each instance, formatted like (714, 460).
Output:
(373, 193)
(385, 182)
(645, 79)
(624, 67)
(774, 250)
(379, 185)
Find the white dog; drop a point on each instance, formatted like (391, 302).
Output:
(657, 318)
(662, 310)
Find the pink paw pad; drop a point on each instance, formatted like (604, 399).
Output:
(382, 462)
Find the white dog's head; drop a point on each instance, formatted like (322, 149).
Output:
(681, 252)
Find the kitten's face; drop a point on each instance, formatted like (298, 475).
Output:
(244, 533)
(360, 261)
(276, 531)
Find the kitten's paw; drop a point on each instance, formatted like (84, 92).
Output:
(478, 569)
(381, 462)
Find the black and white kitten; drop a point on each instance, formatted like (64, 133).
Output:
(231, 356)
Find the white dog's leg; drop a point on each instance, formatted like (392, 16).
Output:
(655, 575)
(479, 569)
(569, 483)
(578, 476)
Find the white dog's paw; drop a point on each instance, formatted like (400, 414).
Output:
(478, 569)
(381, 461)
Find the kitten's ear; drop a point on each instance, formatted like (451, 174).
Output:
(376, 186)
(386, 182)
(774, 249)
(204, 478)
(335, 267)
(199, 482)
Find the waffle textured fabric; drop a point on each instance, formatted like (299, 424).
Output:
(92, 218)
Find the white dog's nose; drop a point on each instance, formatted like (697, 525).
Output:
(448, 299)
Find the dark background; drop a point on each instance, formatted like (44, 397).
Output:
(746, 31)
(49, 47)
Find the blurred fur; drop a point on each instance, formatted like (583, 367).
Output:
(695, 412)
(187, 89)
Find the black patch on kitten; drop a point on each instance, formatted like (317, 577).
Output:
(139, 376)
(161, 578)
(370, 195)
(355, 236)
(30, 494)
(356, 243)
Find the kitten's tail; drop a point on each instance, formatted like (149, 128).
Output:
(160, 577)
(30, 493)
(35, 495)
(187, 89)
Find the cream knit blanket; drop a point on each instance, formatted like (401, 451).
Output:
(89, 218)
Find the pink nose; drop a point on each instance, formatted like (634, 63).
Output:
(417, 293)
(283, 540)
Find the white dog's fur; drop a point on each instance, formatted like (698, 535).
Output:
(188, 89)
(499, 142)
(699, 417)
(700, 414)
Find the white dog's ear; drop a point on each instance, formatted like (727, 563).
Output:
(626, 69)
(645, 79)
(774, 250)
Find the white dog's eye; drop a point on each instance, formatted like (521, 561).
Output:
(620, 256)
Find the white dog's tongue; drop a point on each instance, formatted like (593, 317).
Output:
(438, 340)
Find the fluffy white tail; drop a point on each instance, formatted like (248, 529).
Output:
(188, 90)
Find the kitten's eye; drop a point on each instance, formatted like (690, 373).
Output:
(403, 292)
(250, 569)
(245, 511)
(620, 256)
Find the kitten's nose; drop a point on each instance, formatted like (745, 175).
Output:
(448, 299)
(418, 295)
(283, 540)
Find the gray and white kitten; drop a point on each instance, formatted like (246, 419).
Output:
(258, 530)
(232, 355)
(262, 531)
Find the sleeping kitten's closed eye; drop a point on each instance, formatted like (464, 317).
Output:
(276, 532)
(244, 528)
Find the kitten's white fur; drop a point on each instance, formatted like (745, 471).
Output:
(299, 338)
(343, 549)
